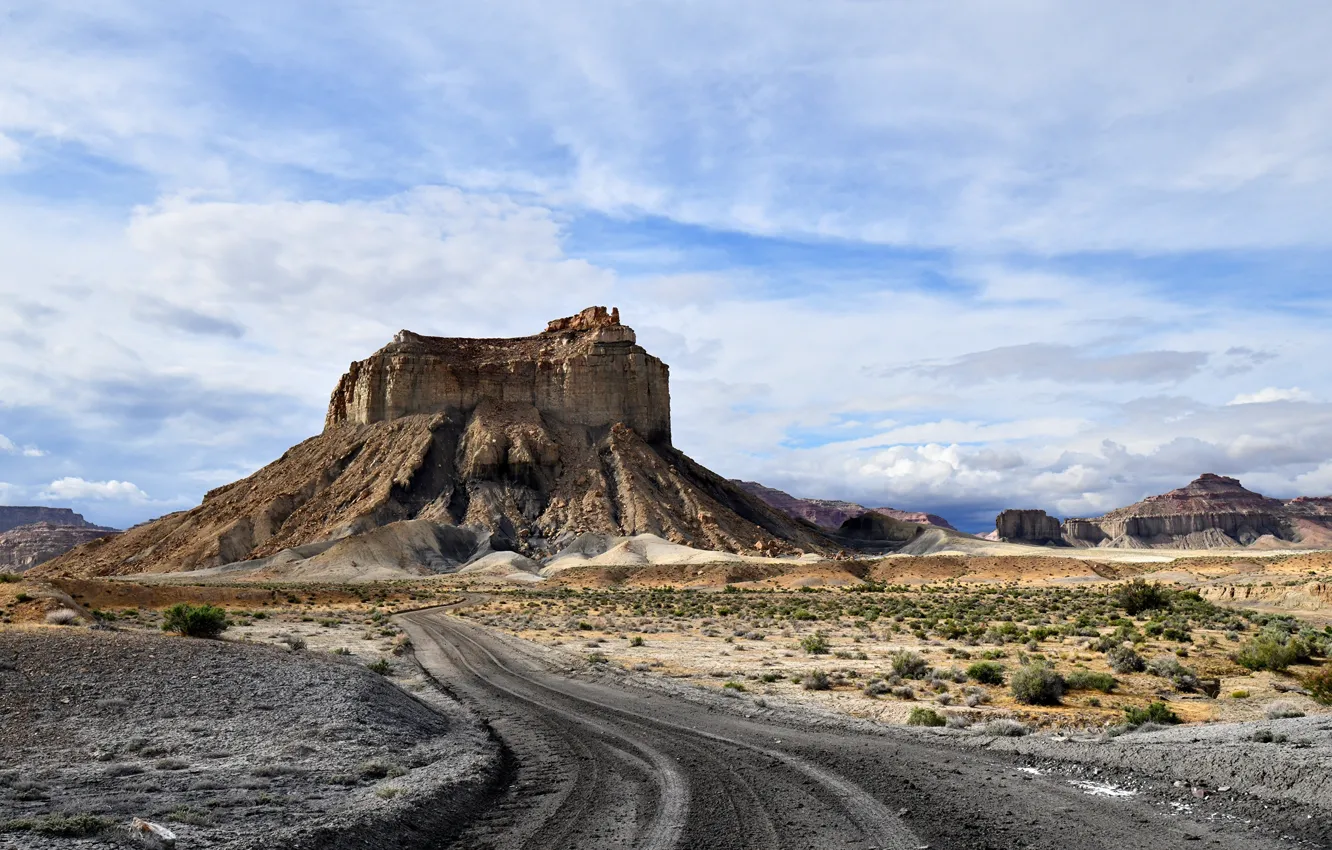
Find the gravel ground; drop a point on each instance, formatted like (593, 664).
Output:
(1274, 775)
(228, 745)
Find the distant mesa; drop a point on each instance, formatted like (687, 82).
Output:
(441, 454)
(33, 535)
(1211, 512)
(832, 514)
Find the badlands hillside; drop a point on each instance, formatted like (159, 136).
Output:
(442, 452)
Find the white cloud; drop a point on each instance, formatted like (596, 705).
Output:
(7, 446)
(77, 488)
(1270, 394)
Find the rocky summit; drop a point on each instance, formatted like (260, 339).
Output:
(1211, 512)
(438, 451)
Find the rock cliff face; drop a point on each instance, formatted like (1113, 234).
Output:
(14, 516)
(27, 546)
(583, 370)
(1028, 526)
(831, 513)
(524, 443)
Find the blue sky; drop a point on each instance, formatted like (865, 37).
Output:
(949, 258)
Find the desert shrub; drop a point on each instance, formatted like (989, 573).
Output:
(926, 717)
(1158, 713)
(904, 692)
(382, 667)
(62, 617)
(816, 680)
(10, 578)
(1005, 727)
(200, 621)
(987, 672)
(1319, 684)
(1137, 596)
(734, 686)
(815, 644)
(60, 825)
(21, 597)
(635, 641)
(875, 688)
(1123, 659)
(597, 658)
(1282, 709)
(909, 665)
(1085, 680)
(1269, 652)
(1168, 667)
(1037, 684)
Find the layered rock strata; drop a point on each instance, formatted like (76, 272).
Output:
(583, 370)
(27, 546)
(1211, 512)
(1028, 526)
(524, 443)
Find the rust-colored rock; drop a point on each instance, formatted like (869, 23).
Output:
(832, 513)
(524, 442)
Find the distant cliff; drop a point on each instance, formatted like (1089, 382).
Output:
(26, 546)
(1211, 512)
(13, 517)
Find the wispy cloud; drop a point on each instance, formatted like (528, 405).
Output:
(1068, 364)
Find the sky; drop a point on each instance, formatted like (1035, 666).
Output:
(948, 257)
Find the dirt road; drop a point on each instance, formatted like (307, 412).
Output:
(595, 765)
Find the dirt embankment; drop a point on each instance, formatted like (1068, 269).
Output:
(227, 745)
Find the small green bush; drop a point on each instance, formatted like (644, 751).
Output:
(1137, 596)
(22, 597)
(10, 578)
(1037, 684)
(1319, 684)
(986, 673)
(200, 621)
(382, 667)
(1085, 680)
(635, 641)
(1157, 712)
(1267, 652)
(815, 644)
(926, 717)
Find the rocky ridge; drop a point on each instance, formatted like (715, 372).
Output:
(831, 514)
(515, 445)
(1211, 512)
(12, 516)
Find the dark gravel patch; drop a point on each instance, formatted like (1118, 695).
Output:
(228, 745)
